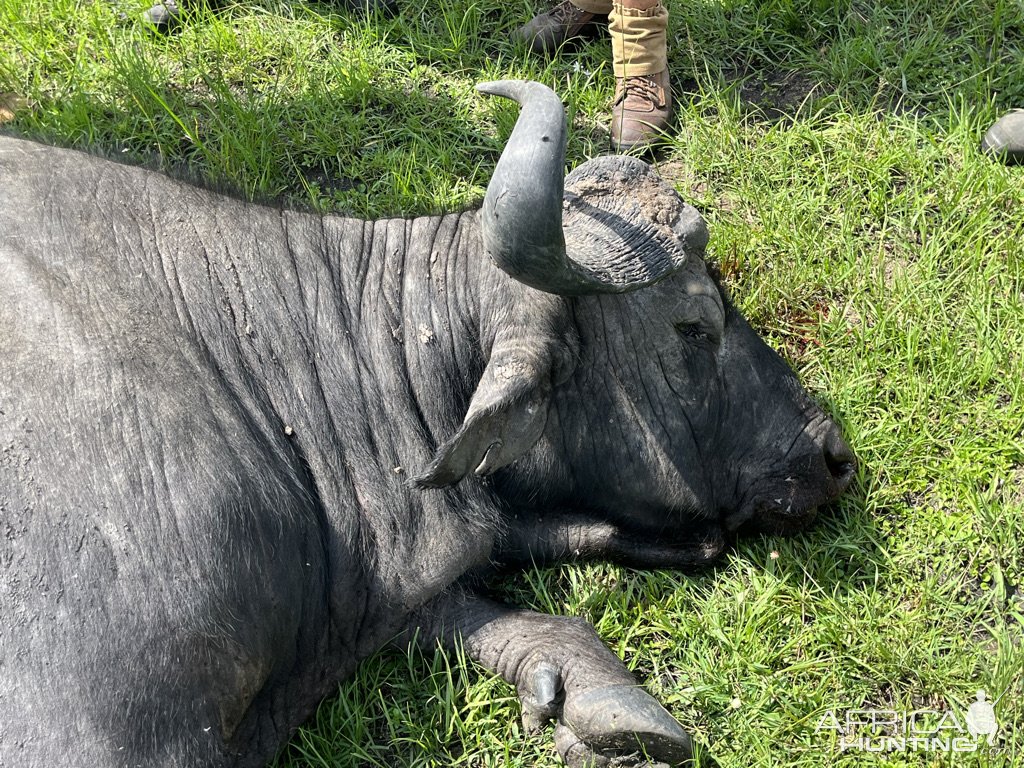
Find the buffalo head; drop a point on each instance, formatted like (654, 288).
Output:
(628, 391)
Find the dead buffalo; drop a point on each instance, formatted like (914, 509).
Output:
(243, 448)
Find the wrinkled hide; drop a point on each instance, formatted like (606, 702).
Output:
(243, 448)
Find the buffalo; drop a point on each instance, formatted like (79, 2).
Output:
(243, 448)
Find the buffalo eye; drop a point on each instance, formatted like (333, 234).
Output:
(691, 331)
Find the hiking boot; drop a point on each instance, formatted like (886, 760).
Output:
(641, 110)
(1005, 139)
(545, 32)
(163, 17)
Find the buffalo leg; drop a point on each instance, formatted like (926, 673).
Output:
(564, 672)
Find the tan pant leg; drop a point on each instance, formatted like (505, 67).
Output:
(639, 37)
(602, 7)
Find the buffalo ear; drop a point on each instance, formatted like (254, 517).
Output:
(506, 417)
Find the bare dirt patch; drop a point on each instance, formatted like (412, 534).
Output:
(777, 95)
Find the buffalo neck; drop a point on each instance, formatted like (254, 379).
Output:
(346, 350)
(349, 348)
(365, 337)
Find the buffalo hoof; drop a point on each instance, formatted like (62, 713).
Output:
(1005, 139)
(620, 725)
(612, 726)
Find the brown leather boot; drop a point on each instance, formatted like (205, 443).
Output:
(641, 110)
(547, 31)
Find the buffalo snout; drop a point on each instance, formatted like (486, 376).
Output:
(820, 466)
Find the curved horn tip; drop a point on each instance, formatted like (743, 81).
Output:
(517, 90)
(497, 87)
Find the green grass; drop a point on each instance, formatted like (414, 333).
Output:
(832, 146)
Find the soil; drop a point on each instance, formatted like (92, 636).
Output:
(777, 95)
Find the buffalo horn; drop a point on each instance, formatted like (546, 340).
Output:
(521, 218)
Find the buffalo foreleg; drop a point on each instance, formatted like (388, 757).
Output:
(564, 672)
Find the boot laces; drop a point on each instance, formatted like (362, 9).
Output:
(643, 88)
(567, 14)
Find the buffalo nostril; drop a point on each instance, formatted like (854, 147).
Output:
(842, 471)
(838, 458)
